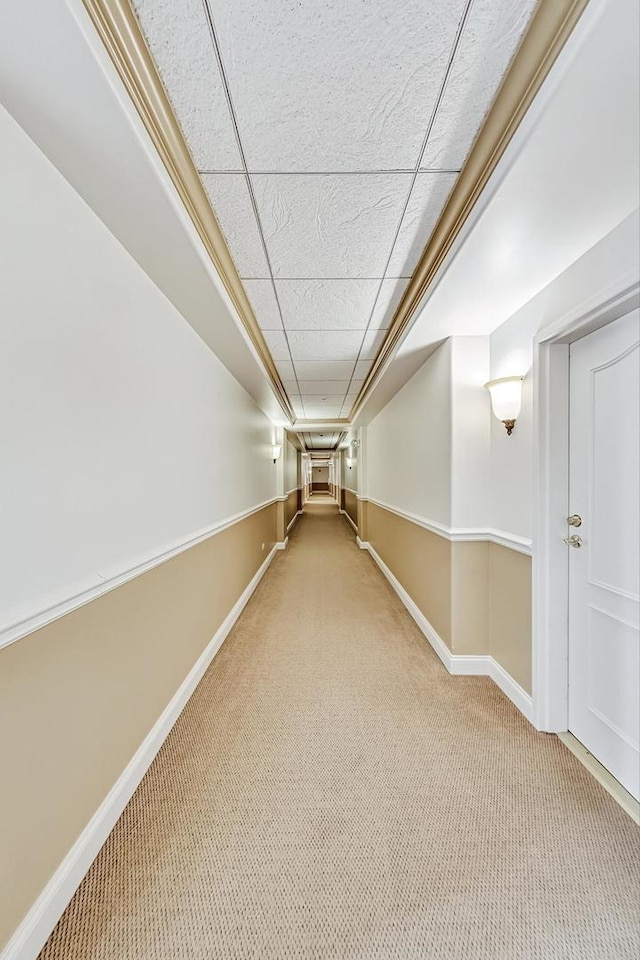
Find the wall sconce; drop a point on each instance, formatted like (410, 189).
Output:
(276, 450)
(349, 462)
(506, 400)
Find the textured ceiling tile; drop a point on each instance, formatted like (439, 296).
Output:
(277, 343)
(323, 387)
(264, 303)
(388, 299)
(325, 345)
(285, 369)
(487, 45)
(291, 386)
(229, 197)
(362, 368)
(372, 343)
(323, 413)
(334, 85)
(427, 199)
(347, 406)
(178, 36)
(324, 370)
(333, 226)
(330, 399)
(326, 304)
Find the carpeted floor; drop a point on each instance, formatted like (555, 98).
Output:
(330, 792)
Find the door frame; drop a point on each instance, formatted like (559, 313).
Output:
(550, 633)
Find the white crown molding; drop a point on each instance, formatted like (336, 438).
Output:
(456, 664)
(461, 534)
(32, 616)
(32, 934)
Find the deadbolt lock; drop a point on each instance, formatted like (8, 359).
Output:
(574, 520)
(573, 541)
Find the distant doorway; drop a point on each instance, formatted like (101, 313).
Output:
(320, 481)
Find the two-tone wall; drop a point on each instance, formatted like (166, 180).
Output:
(320, 479)
(292, 484)
(428, 455)
(139, 503)
(349, 479)
(449, 499)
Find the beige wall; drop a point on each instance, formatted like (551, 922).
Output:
(79, 696)
(510, 612)
(420, 560)
(476, 595)
(351, 505)
(291, 506)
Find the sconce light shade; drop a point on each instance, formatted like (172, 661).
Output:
(506, 400)
(276, 450)
(349, 461)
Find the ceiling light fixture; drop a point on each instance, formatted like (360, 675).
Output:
(506, 400)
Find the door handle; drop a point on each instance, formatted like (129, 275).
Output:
(573, 541)
(574, 520)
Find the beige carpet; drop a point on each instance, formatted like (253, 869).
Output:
(330, 792)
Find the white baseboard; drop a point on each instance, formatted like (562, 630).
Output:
(293, 520)
(362, 544)
(347, 517)
(280, 545)
(33, 932)
(458, 664)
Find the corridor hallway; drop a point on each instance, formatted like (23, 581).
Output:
(331, 792)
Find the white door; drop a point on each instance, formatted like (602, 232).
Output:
(604, 556)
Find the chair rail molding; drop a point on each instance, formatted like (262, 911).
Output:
(32, 934)
(32, 616)
(461, 534)
(457, 664)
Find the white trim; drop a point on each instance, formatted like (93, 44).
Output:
(362, 544)
(550, 636)
(25, 619)
(462, 534)
(297, 514)
(457, 664)
(628, 802)
(280, 545)
(347, 517)
(32, 934)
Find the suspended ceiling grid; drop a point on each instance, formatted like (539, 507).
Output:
(328, 136)
(321, 441)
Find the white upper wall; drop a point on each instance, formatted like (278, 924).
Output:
(122, 434)
(609, 266)
(470, 432)
(409, 444)
(290, 466)
(568, 177)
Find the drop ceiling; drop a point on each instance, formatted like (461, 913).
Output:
(327, 440)
(328, 136)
